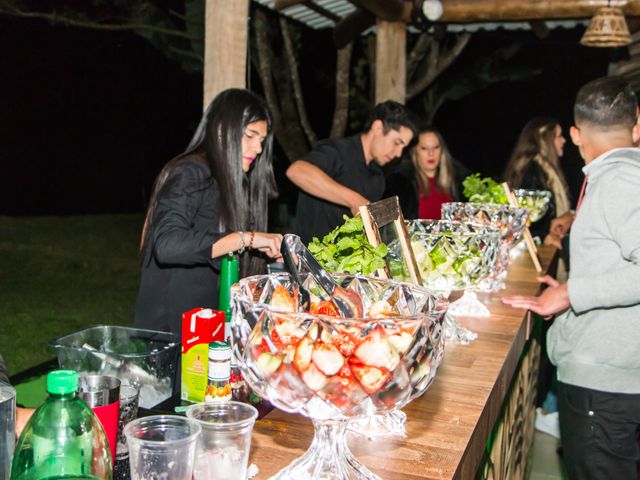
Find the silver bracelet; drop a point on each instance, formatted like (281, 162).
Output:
(242, 244)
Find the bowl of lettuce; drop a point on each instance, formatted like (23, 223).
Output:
(450, 255)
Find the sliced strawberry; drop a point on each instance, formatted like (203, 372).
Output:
(401, 342)
(381, 308)
(325, 336)
(302, 357)
(326, 307)
(282, 300)
(312, 331)
(345, 371)
(327, 358)
(314, 378)
(346, 343)
(371, 378)
(276, 340)
(268, 363)
(345, 394)
(377, 351)
(288, 330)
(344, 375)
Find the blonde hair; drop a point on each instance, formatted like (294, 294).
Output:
(445, 174)
(536, 144)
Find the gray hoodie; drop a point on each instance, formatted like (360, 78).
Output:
(596, 343)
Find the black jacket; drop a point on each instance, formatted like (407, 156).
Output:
(178, 273)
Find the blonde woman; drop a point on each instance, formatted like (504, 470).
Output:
(428, 180)
(535, 165)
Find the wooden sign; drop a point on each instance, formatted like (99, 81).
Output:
(386, 212)
(528, 239)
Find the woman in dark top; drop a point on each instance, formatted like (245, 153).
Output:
(535, 165)
(206, 202)
(429, 179)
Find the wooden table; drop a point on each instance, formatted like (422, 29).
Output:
(448, 427)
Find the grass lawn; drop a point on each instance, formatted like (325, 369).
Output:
(61, 274)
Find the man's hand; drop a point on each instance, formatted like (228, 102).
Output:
(552, 300)
(356, 202)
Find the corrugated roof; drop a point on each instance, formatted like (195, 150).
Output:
(342, 8)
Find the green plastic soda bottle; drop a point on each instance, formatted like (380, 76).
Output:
(228, 276)
(63, 439)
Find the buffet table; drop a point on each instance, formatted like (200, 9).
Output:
(476, 419)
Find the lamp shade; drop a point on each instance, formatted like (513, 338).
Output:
(608, 28)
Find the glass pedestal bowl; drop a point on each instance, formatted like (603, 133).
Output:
(334, 370)
(453, 256)
(510, 222)
(535, 201)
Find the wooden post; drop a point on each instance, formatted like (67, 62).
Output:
(391, 77)
(225, 47)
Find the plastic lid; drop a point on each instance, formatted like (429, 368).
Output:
(62, 382)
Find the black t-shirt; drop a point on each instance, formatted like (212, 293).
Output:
(343, 160)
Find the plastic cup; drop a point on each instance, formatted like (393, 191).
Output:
(129, 395)
(102, 394)
(162, 447)
(7, 427)
(223, 447)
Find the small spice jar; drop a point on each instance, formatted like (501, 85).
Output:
(219, 373)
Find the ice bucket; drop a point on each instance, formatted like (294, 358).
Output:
(145, 358)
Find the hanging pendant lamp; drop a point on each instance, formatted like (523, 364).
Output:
(608, 28)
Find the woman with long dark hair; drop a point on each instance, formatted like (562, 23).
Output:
(206, 202)
(535, 165)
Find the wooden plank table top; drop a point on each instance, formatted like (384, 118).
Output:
(447, 428)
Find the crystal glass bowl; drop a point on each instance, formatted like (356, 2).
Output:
(535, 201)
(510, 222)
(453, 255)
(333, 369)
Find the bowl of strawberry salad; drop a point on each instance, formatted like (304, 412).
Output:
(336, 370)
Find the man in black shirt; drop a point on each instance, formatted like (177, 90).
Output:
(338, 176)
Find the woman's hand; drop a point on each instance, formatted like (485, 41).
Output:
(560, 225)
(553, 240)
(268, 243)
(22, 417)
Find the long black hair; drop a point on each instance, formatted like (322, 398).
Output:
(218, 143)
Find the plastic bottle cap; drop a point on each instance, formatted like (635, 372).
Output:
(62, 382)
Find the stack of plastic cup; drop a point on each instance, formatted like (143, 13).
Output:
(223, 447)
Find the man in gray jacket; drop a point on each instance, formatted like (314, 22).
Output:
(596, 343)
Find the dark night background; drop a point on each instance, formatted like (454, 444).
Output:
(88, 118)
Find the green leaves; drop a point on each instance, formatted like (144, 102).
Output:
(346, 249)
(483, 190)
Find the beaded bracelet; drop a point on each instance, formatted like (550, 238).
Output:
(253, 234)
(242, 244)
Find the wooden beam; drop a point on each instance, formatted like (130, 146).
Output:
(390, 10)
(282, 4)
(391, 78)
(225, 47)
(322, 11)
(351, 26)
(540, 28)
(464, 11)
